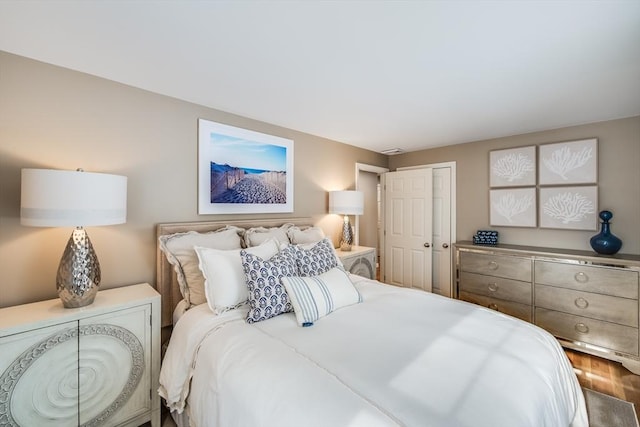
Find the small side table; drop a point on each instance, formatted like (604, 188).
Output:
(360, 260)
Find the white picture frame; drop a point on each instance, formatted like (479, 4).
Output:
(513, 207)
(569, 208)
(568, 163)
(513, 167)
(228, 155)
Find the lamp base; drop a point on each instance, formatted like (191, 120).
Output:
(79, 271)
(347, 235)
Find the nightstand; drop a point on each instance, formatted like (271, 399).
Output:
(360, 260)
(94, 365)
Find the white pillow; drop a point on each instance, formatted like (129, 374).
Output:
(225, 283)
(299, 236)
(317, 296)
(178, 249)
(257, 235)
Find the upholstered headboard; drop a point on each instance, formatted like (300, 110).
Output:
(166, 280)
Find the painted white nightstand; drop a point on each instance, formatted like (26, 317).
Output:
(360, 260)
(89, 366)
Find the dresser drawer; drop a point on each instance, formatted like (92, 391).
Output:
(603, 280)
(596, 306)
(509, 267)
(577, 328)
(521, 311)
(496, 287)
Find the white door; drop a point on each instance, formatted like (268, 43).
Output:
(408, 247)
(442, 231)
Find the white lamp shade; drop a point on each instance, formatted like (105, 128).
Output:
(346, 202)
(59, 198)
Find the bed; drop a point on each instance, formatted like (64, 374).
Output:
(374, 355)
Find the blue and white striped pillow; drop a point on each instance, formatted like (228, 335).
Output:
(317, 296)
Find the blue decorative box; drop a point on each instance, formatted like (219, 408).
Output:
(485, 237)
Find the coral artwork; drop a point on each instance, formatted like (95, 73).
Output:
(513, 207)
(568, 207)
(513, 167)
(509, 206)
(564, 160)
(569, 163)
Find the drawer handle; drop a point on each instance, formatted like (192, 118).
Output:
(493, 306)
(581, 277)
(493, 265)
(582, 328)
(493, 287)
(581, 303)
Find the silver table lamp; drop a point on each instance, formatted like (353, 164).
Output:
(59, 198)
(346, 203)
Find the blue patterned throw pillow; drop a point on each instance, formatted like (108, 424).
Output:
(317, 260)
(267, 295)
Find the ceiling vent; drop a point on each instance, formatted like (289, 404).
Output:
(391, 151)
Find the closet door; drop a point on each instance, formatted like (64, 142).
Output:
(408, 213)
(442, 232)
(114, 367)
(38, 373)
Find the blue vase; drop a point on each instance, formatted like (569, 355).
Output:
(604, 242)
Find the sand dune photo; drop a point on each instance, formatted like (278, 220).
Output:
(242, 171)
(236, 185)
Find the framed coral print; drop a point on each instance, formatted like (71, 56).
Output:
(569, 208)
(513, 207)
(242, 171)
(569, 163)
(514, 167)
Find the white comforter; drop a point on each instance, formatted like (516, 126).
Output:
(400, 358)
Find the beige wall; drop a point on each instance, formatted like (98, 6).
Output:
(52, 117)
(618, 182)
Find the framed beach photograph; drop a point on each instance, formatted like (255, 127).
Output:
(569, 163)
(569, 208)
(241, 171)
(514, 167)
(513, 207)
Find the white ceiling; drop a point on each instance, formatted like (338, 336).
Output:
(374, 74)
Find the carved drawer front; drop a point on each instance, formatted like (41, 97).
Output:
(577, 328)
(603, 280)
(114, 362)
(596, 306)
(362, 264)
(38, 377)
(94, 372)
(521, 311)
(496, 287)
(509, 267)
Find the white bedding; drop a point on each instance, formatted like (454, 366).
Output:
(400, 358)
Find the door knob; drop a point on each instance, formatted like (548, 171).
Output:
(427, 245)
(445, 245)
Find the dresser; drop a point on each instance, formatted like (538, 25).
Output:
(502, 283)
(91, 366)
(360, 260)
(590, 302)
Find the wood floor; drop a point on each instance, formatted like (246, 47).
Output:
(606, 377)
